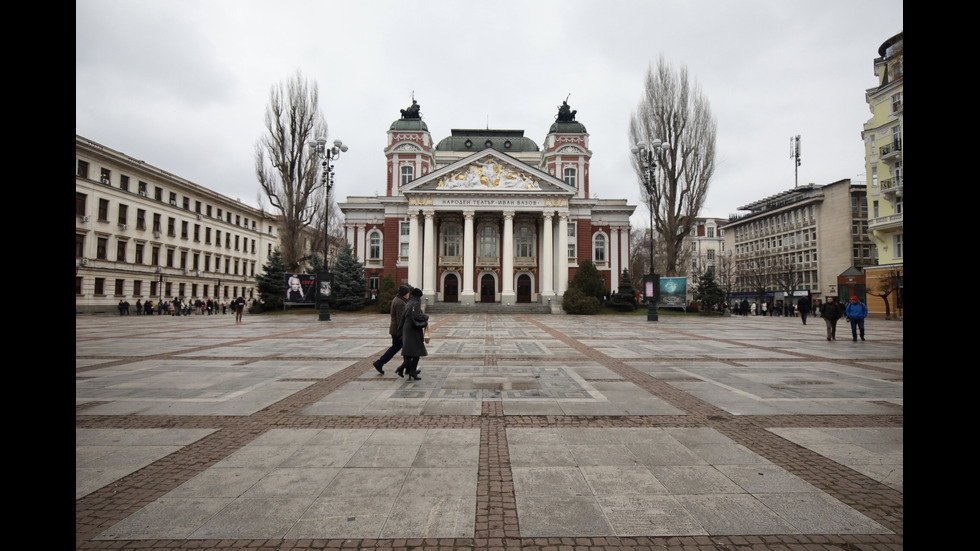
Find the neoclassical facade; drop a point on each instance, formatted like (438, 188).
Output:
(142, 233)
(488, 216)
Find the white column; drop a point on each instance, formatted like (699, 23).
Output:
(360, 251)
(429, 257)
(562, 254)
(468, 296)
(507, 262)
(414, 261)
(613, 259)
(349, 233)
(547, 259)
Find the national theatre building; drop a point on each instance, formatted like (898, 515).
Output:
(488, 216)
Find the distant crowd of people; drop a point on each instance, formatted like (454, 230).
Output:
(830, 311)
(182, 307)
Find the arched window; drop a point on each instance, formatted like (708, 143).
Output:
(599, 248)
(488, 241)
(374, 245)
(524, 242)
(451, 240)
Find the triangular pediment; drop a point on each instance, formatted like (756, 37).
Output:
(489, 171)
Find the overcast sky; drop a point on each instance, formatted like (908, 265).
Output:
(183, 85)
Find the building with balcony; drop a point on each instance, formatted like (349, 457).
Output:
(142, 233)
(882, 136)
(707, 249)
(488, 216)
(799, 241)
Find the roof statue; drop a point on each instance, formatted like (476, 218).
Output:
(565, 113)
(412, 113)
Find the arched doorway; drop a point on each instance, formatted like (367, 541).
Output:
(488, 288)
(523, 288)
(450, 288)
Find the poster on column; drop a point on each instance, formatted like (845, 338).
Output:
(300, 289)
(673, 292)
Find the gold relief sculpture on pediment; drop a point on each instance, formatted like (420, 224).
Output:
(488, 175)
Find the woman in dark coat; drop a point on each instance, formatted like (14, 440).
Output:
(413, 324)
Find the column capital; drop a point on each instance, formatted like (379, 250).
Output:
(429, 213)
(548, 215)
(508, 214)
(469, 214)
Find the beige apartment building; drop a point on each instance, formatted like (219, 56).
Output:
(142, 233)
(799, 242)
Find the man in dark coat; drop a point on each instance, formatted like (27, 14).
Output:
(394, 329)
(830, 312)
(803, 305)
(414, 321)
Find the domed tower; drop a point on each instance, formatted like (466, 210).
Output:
(409, 150)
(566, 151)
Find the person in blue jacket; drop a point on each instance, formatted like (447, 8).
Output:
(855, 312)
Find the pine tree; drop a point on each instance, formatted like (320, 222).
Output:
(271, 282)
(349, 285)
(624, 299)
(708, 291)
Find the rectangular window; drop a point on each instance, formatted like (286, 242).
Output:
(139, 253)
(137, 288)
(124, 182)
(158, 193)
(570, 177)
(79, 245)
(106, 176)
(120, 285)
(170, 258)
(407, 174)
(102, 248)
(99, 286)
(80, 199)
(140, 219)
(123, 215)
(82, 170)
(155, 257)
(173, 199)
(120, 251)
(103, 210)
(183, 229)
(172, 227)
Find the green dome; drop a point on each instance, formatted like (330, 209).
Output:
(409, 124)
(572, 127)
(505, 141)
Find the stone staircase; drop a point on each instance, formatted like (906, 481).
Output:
(486, 308)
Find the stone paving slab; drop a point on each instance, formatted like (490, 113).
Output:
(525, 430)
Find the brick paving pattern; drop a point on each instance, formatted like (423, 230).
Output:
(526, 432)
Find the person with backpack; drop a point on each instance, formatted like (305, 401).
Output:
(855, 312)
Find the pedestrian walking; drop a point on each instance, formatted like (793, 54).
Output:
(803, 305)
(414, 322)
(239, 308)
(830, 312)
(394, 329)
(856, 311)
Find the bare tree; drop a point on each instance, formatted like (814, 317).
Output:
(757, 274)
(890, 283)
(286, 171)
(675, 111)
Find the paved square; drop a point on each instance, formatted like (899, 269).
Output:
(600, 428)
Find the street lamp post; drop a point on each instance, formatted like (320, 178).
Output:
(327, 155)
(647, 157)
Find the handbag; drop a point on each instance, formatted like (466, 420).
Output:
(425, 334)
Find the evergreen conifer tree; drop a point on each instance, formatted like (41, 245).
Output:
(349, 285)
(271, 282)
(708, 291)
(624, 299)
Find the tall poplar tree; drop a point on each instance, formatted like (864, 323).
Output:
(677, 112)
